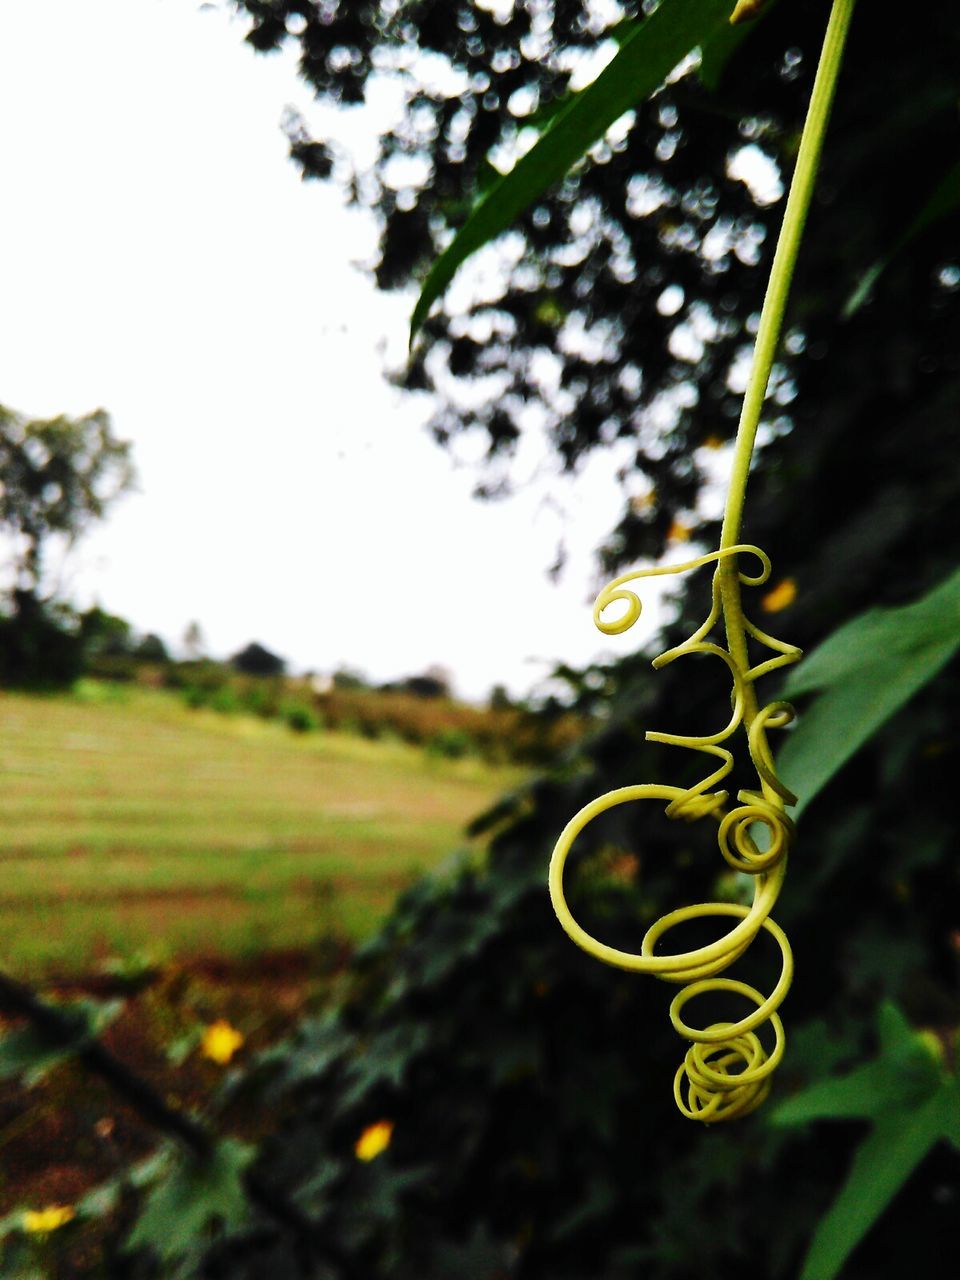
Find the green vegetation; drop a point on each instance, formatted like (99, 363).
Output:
(131, 822)
(476, 1097)
(442, 724)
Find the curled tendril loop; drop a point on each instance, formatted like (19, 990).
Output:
(614, 591)
(736, 839)
(727, 1069)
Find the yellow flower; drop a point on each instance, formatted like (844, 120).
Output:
(374, 1140)
(679, 532)
(713, 442)
(782, 595)
(43, 1221)
(220, 1042)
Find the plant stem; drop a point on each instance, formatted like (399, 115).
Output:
(771, 321)
(60, 1030)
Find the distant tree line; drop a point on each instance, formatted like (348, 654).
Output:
(57, 477)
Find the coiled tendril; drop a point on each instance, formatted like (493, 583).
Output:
(727, 1069)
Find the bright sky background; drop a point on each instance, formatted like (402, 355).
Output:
(161, 258)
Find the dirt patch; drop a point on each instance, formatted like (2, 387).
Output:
(70, 1132)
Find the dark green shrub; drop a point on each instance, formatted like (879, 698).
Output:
(120, 667)
(105, 633)
(451, 744)
(151, 649)
(40, 645)
(226, 700)
(301, 718)
(256, 660)
(262, 697)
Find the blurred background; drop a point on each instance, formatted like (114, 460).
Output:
(299, 676)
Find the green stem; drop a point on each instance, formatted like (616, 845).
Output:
(771, 321)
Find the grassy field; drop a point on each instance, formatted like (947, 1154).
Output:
(129, 823)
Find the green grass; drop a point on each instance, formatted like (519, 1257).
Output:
(130, 822)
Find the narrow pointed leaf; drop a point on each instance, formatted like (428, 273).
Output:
(867, 670)
(901, 1077)
(943, 200)
(950, 1100)
(646, 57)
(882, 1164)
(873, 636)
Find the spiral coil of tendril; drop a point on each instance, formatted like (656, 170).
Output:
(727, 1068)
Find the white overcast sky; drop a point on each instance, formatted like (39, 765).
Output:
(161, 258)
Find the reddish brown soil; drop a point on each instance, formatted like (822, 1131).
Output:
(70, 1132)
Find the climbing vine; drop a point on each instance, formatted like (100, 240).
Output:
(727, 1068)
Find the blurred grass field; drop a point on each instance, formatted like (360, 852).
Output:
(130, 823)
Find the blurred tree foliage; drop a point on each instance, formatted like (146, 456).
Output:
(256, 660)
(529, 1087)
(57, 476)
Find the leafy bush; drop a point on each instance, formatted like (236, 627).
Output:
(451, 744)
(504, 733)
(256, 660)
(40, 645)
(301, 718)
(195, 696)
(225, 700)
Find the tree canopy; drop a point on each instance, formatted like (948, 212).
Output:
(59, 475)
(622, 313)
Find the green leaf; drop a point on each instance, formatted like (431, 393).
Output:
(882, 1164)
(912, 1106)
(894, 630)
(867, 670)
(105, 1198)
(901, 1076)
(100, 1201)
(180, 1049)
(950, 1100)
(29, 1053)
(943, 200)
(384, 1060)
(197, 1195)
(646, 57)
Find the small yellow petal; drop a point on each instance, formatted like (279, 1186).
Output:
(679, 532)
(220, 1042)
(713, 442)
(42, 1221)
(782, 595)
(374, 1140)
